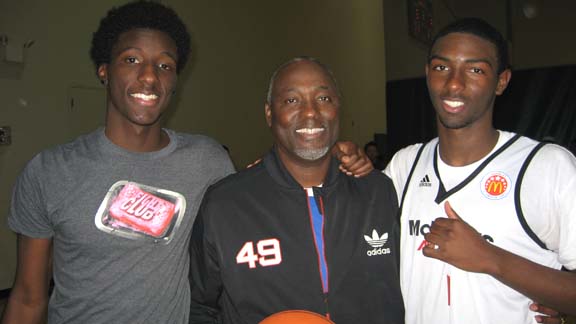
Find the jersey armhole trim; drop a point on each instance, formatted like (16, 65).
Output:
(410, 178)
(518, 203)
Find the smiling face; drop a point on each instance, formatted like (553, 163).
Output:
(303, 112)
(140, 77)
(463, 81)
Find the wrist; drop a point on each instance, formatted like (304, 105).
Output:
(495, 261)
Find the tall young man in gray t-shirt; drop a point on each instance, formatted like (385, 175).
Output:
(110, 214)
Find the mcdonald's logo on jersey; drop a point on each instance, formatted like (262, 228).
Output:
(495, 185)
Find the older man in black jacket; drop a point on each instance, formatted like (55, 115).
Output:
(293, 232)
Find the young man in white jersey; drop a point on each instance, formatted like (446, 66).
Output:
(487, 217)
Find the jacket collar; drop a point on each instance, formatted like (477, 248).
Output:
(280, 174)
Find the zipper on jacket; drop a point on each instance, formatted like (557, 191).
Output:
(317, 221)
(326, 305)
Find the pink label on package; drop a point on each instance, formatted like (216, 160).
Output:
(142, 211)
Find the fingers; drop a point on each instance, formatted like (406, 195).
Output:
(536, 307)
(441, 231)
(548, 319)
(431, 250)
(353, 160)
(358, 167)
(355, 167)
(434, 243)
(344, 148)
(362, 153)
(450, 212)
(549, 315)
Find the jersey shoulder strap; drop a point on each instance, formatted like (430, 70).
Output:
(410, 176)
(518, 202)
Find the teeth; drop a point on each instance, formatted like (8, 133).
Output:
(309, 130)
(453, 104)
(144, 97)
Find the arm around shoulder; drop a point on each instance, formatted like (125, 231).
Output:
(29, 297)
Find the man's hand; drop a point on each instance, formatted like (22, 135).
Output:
(551, 316)
(353, 160)
(455, 242)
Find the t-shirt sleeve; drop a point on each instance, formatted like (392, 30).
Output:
(548, 202)
(28, 213)
(218, 163)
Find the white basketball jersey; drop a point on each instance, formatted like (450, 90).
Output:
(436, 292)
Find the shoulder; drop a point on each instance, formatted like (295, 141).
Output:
(63, 156)
(240, 184)
(196, 141)
(408, 153)
(553, 167)
(376, 178)
(52, 172)
(553, 153)
(200, 150)
(375, 185)
(234, 191)
(552, 158)
(402, 161)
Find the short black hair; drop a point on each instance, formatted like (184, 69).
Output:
(295, 60)
(139, 14)
(482, 29)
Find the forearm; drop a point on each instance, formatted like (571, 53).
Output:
(20, 310)
(554, 288)
(29, 297)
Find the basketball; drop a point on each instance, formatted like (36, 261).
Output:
(296, 317)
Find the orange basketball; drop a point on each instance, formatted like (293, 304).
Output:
(296, 317)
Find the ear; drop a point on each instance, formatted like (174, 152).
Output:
(103, 73)
(426, 68)
(268, 114)
(503, 80)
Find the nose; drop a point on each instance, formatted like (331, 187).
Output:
(456, 81)
(310, 108)
(148, 74)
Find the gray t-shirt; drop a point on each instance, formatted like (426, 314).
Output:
(101, 277)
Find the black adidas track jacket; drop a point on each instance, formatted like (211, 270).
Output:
(253, 251)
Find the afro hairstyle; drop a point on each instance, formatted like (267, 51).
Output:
(139, 14)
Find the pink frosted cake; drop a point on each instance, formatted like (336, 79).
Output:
(142, 211)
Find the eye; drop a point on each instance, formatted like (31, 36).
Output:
(477, 70)
(324, 98)
(440, 68)
(131, 60)
(290, 100)
(167, 67)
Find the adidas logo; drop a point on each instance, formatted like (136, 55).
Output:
(425, 182)
(376, 242)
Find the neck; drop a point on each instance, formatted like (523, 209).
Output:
(306, 173)
(460, 147)
(137, 138)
